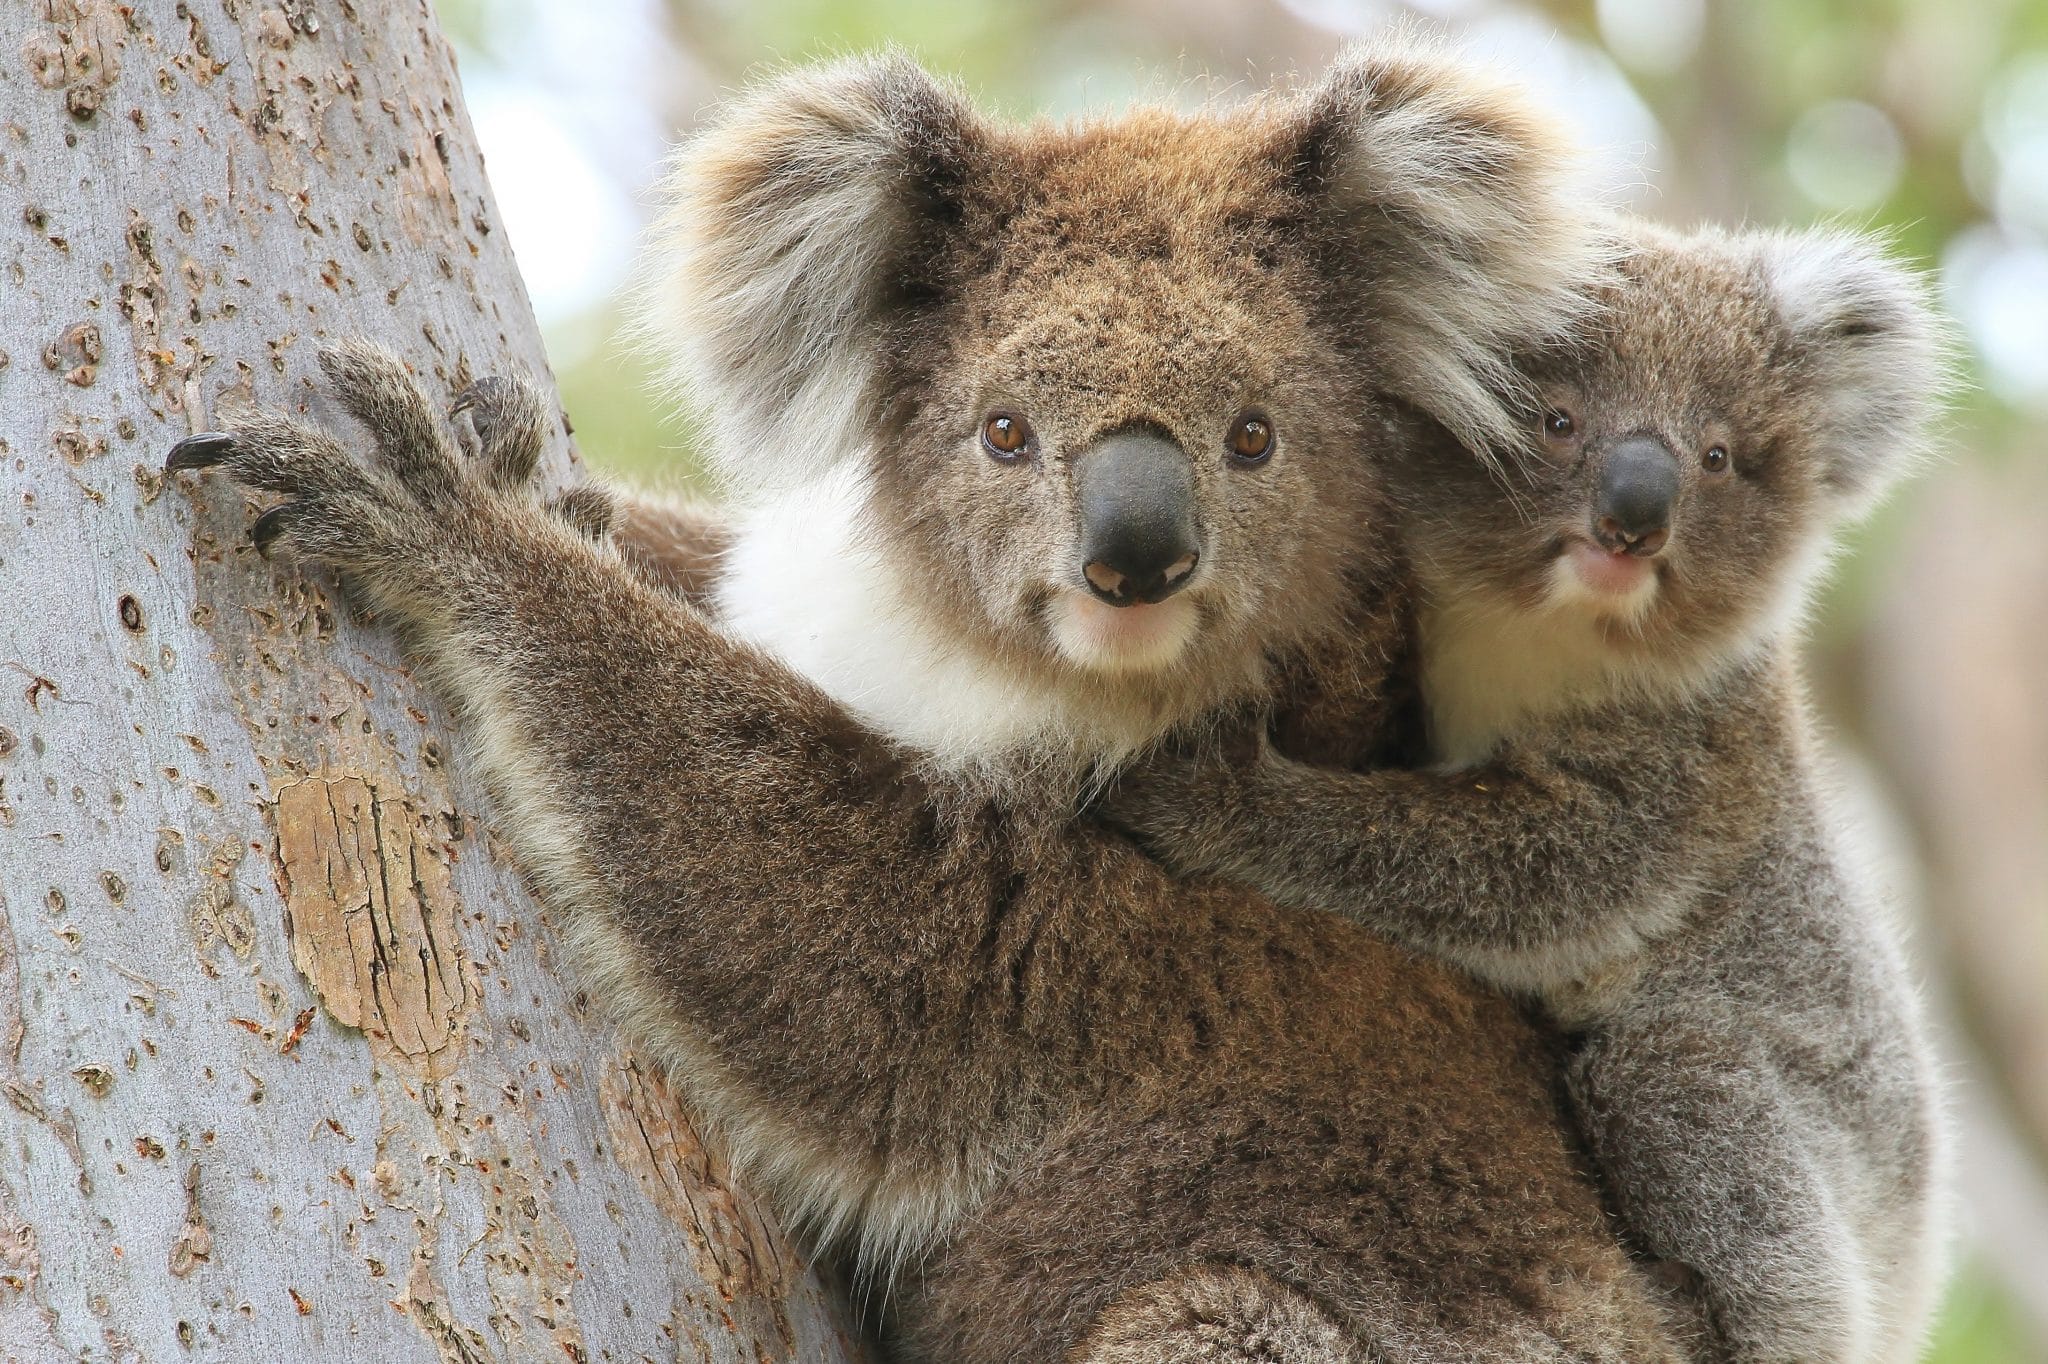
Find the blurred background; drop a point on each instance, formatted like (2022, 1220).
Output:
(1928, 118)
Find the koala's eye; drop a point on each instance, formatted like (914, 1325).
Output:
(1559, 424)
(1251, 438)
(1715, 461)
(1006, 437)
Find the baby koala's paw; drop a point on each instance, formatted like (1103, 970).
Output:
(1170, 797)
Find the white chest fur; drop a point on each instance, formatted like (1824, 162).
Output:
(1491, 668)
(805, 582)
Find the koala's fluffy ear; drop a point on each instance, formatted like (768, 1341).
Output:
(1865, 347)
(793, 225)
(1456, 225)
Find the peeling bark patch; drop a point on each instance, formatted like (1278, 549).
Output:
(76, 354)
(194, 1245)
(737, 1251)
(371, 917)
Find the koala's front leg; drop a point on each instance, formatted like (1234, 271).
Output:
(1699, 1142)
(1563, 854)
(842, 966)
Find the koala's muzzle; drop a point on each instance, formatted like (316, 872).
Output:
(1139, 542)
(1638, 485)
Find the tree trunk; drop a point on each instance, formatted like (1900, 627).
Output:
(290, 1067)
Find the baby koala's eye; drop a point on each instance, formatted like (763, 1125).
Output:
(1715, 461)
(1558, 424)
(1251, 438)
(1006, 437)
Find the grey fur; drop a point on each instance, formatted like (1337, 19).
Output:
(1627, 822)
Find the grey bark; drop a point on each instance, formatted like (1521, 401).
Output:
(291, 1070)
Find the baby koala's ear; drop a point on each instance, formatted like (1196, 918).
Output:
(1458, 226)
(794, 224)
(1864, 345)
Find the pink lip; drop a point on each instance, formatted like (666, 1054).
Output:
(1128, 627)
(1615, 574)
(1128, 638)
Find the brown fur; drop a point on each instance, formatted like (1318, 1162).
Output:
(1213, 1314)
(1022, 1069)
(675, 544)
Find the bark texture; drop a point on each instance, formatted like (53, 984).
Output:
(289, 1069)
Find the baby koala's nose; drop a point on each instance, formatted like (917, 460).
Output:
(1638, 485)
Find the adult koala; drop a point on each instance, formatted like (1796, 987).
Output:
(1047, 440)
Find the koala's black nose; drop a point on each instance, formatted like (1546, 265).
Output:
(1138, 537)
(1638, 484)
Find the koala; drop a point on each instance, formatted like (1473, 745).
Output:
(1043, 441)
(1623, 817)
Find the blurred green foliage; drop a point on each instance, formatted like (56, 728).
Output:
(1979, 1326)
(619, 426)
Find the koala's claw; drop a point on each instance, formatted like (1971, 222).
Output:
(266, 529)
(410, 506)
(201, 451)
(510, 419)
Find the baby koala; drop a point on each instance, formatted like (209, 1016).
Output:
(1624, 819)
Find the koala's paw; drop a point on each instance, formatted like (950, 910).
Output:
(508, 422)
(412, 489)
(508, 419)
(1170, 798)
(415, 502)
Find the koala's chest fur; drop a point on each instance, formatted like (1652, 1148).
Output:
(800, 583)
(1489, 670)
(804, 580)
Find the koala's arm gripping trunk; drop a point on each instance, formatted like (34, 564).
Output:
(1567, 850)
(873, 997)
